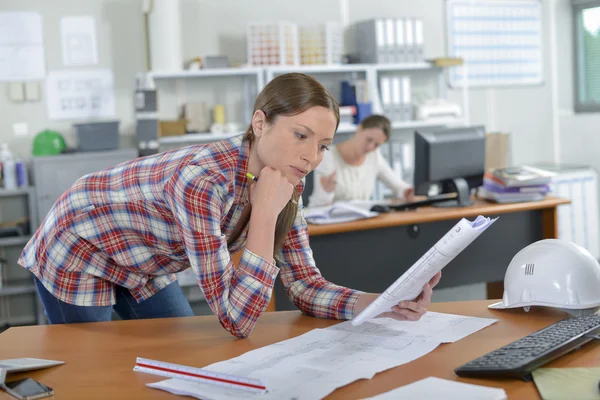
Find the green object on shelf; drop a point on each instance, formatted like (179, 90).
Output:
(48, 143)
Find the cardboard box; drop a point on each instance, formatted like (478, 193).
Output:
(497, 151)
(172, 128)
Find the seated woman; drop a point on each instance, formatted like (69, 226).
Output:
(350, 170)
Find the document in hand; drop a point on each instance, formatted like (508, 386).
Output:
(336, 213)
(410, 284)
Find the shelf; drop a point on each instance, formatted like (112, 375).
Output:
(409, 124)
(204, 73)
(197, 138)
(16, 192)
(428, 123)
(14, 240)
(404, 66)
(315, 69)
(9, 290)
(211, 137)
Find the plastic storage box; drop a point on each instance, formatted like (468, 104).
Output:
(321, 43)
(272, 43)
(95, 136)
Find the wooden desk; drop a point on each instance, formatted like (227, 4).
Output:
(100, 356)
(370, 254)
(434, 214)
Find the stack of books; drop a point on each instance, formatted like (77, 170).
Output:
(516, 184)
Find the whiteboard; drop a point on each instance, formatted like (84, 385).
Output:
(500, 41)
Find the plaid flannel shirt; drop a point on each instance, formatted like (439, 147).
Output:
(138, 223)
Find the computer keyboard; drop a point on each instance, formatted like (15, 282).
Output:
(440, 198)
(519, 358)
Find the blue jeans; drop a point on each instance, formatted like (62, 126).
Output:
(169, 302)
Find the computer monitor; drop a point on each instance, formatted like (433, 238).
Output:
(453, 158)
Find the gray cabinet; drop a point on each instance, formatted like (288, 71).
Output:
(53, 175)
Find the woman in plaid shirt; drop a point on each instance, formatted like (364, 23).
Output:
(116, 238)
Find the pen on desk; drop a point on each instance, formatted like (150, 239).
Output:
(255, 179)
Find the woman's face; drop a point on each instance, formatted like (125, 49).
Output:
(370, 138)
(294, 144)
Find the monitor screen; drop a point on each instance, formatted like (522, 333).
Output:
(453, 158)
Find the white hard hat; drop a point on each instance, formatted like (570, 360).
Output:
(552, 273)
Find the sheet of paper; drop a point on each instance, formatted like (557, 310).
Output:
(200, 391)
(437, 327)
(410, 284)
(21, 47)
(436, 388)
(78, 36)
(80, 94)
(27, 364)
(328, 359)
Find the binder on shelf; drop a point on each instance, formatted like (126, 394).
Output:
(410, 39)
(380, 40)
(401, 55)
(407, 99)
(398, 110)
(418, 24)
(386, 96)
(390, 41)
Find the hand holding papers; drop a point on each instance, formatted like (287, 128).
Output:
(410, 284)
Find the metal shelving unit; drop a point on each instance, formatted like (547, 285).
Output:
(372, 74)
(18, 284)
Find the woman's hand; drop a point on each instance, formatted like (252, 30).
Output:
(328, 182)
(271, 193)
(405, 310)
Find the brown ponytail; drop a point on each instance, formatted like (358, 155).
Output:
(290, 94)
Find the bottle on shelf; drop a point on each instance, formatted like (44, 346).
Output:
(9, 170)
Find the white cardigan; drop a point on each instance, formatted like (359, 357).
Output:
(353, 182)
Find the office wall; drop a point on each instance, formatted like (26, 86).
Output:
(211, 27)
(119, 33)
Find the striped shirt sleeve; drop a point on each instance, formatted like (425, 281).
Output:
(237, 296)
(305, 286)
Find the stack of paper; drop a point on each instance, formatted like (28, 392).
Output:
(336, 213)
(436, 388)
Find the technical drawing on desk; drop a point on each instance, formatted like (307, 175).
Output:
(433, 326)
(331, 358)
(410, 284)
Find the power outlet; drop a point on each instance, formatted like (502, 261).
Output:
(20, 129)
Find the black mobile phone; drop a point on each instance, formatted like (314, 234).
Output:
(27, 389)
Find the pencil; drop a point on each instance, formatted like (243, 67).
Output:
(250, 176)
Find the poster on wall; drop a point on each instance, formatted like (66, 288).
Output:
(82, 94)
(21, 47)
(500, 41)
(79, 44)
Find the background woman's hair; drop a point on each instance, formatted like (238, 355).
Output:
(377, 121)
(290, 94)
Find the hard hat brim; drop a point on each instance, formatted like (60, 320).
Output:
(501, 306)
